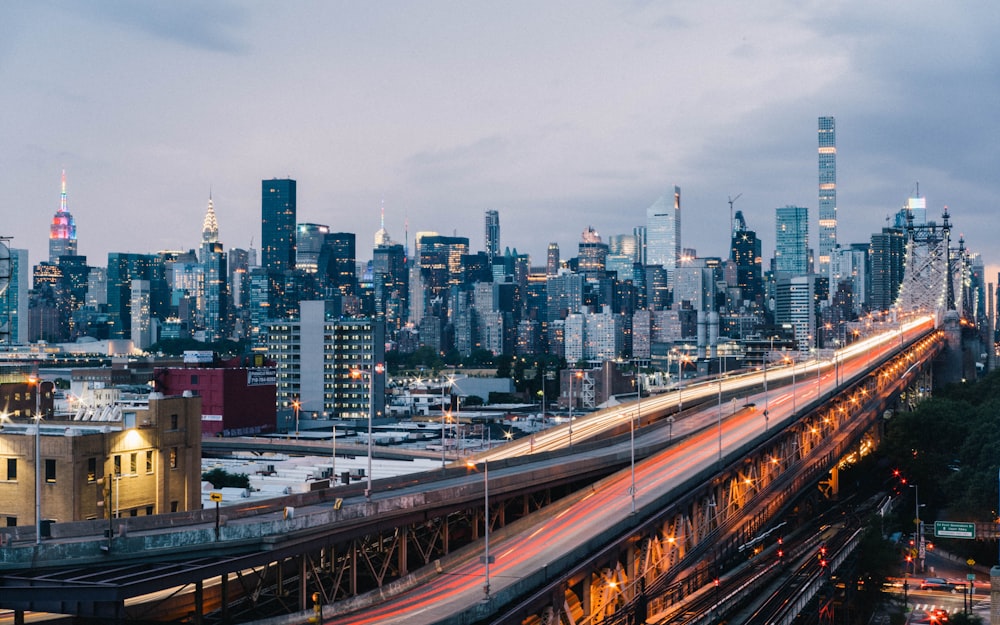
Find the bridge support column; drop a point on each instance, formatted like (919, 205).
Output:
(950, 371)
(401, 560)
(18, 617)
(303, 603)
(199, 602)
(995, 595)
(224, 593)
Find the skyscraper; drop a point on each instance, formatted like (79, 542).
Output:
(62, 232)
(492, 240)
(214, 310)
(552, 260)
(663, 233)
(745, 253)
(278, 224)
(309, 240)
(827, 192)
(886, 256)
(123, 271)
(791, 240)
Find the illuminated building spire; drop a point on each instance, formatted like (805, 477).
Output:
(382, 236)
(62, 231)
(210, 227)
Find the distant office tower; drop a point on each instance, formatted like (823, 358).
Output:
(696, 283)
(745, 253)
(492, 240)
(639, 232)
(795, 304)
(625, 245)
(338, 262)
(552, 260)
(827, 192)
(71, 293)
(390, 282)
(213, 309)
(791, 247)
(663, 233)
(15, 276)
(564, 295)
(309, 240)
(278, 224)
(62, 232)
(592, 254)
(850, 265)
(915, 211)
(885, 259)
(657, 290)
(440, 261)
(123, 270)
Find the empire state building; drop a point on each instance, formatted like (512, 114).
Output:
(62, 232)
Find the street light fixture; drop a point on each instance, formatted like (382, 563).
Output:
(631, 431)
(296, 405)
(357, 373)
(919, 536)
(487, 559)
(37, 383)
(579, 375)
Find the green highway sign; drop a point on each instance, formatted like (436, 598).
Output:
(950, 529)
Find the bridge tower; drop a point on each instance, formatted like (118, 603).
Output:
(930, 271)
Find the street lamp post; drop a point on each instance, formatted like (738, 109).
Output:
(722, 374)
(296, 405)
(37, 383)
(571, 376)
(357, 373)
(766, 358)
(631, 431)
(919, 536)
(487, 558)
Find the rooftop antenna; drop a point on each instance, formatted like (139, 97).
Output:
(732, 200)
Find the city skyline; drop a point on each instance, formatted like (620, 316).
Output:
(559, 117)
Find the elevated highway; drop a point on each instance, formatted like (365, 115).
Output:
(407, 540)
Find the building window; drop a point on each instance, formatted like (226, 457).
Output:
(149, 510)
(173, 457)
(12, 521)
(173, 422)
(149, 461)
(12, 469)
(118, 465)
(173, 506)
(194, 379)
(50, 471)
(91, 469)
(133, 463)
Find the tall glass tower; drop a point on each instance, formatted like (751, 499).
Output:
(663, 233)
(492, 239)
(278, 224)
(827, 192)
(791, 240)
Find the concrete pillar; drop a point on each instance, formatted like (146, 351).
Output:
(950, 371)
(995, 595)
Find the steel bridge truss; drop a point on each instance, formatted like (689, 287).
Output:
(929, 273)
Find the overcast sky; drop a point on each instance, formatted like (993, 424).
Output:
(558, 114)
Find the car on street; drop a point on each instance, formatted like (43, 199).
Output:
(935, 583)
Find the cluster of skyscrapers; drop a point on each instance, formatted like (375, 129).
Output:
(638, 295)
